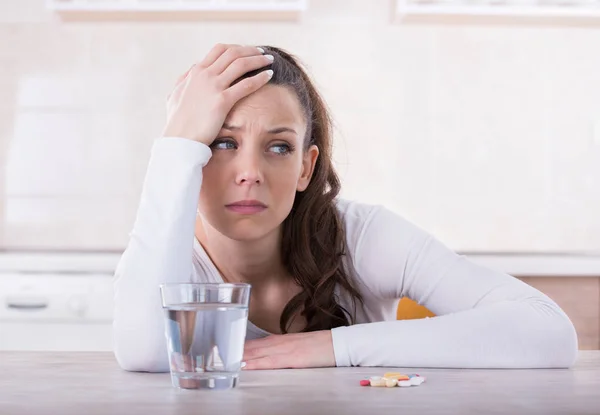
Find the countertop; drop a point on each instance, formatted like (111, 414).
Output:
(104, 263)
(92, 383)
(540, 264)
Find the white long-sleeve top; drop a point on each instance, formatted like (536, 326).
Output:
(485, 319)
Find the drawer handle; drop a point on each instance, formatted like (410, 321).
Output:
(27, 305)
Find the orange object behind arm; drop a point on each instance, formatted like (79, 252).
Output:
(409, 310)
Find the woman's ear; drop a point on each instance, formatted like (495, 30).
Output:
(309, 160)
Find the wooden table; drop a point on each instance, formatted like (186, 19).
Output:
(91, 383)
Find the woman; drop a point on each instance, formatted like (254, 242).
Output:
(241, 188)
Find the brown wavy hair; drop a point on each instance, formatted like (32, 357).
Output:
(313, 235)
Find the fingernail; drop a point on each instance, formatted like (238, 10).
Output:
(261, 50)
(270, 73)
(269, 57)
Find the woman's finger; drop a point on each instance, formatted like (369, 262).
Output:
(214, 54)
(243, 65)
(230, 55)
(268, 362)
(178, 88)
(185, 74)
(259, 352)
(180, 82)
(247, 86)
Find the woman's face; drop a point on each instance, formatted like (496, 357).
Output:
(258, 164)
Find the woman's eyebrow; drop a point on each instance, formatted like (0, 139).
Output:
(282, 130)
(277, 130)
(230, 127)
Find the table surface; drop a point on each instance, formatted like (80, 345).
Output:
(92, 383)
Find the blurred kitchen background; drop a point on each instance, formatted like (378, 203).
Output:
(479, 120)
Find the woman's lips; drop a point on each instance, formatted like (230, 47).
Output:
(246, 207)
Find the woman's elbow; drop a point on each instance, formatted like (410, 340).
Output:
(565, 337)
(134, 355)
(556, 344)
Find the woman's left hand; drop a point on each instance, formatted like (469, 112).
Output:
(293, 351)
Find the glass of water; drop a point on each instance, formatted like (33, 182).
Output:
(205, 329)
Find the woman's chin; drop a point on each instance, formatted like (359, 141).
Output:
(246, 232)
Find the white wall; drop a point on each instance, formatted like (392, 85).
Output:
(487, 136)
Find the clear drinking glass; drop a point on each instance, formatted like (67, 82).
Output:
(205, 329)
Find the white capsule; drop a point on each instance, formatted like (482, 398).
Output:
(404, 383)
(417, 380)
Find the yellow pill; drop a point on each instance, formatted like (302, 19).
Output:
(377, 382)
(390, 383)
(395, 375)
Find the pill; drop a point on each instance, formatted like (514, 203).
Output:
(365, 382)
(395, 375)
(377, 382)
(404, 383)
(412, 375)
(390, 383)
(417, 380)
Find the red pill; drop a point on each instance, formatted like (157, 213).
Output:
(365, 382)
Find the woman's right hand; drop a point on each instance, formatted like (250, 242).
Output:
(202, 98)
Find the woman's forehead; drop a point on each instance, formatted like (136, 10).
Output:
(271, 106)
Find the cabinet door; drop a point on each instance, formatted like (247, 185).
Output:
(579, 297)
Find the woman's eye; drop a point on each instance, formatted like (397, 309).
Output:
(281, 149)
(223, 145)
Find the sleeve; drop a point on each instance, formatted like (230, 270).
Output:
(160, 250)
(485, 319)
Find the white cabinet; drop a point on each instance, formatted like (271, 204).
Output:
(48, 311)
(499, 8)
(52, 301)
(197, 8)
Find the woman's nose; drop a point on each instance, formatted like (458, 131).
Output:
(249, 170)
